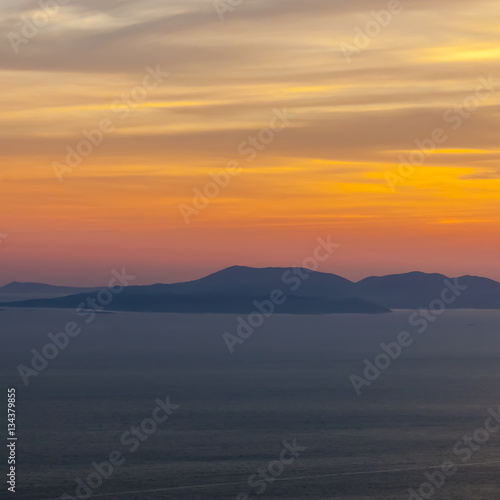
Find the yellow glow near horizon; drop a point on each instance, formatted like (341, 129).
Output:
(463, 54)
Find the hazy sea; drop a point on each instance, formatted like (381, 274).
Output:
(287, 382)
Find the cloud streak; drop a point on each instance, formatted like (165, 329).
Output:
(353, 122)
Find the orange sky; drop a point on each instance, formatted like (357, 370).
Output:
(325, 174)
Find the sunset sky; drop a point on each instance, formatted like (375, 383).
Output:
(355, 117)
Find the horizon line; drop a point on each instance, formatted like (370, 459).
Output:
(254, 268)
